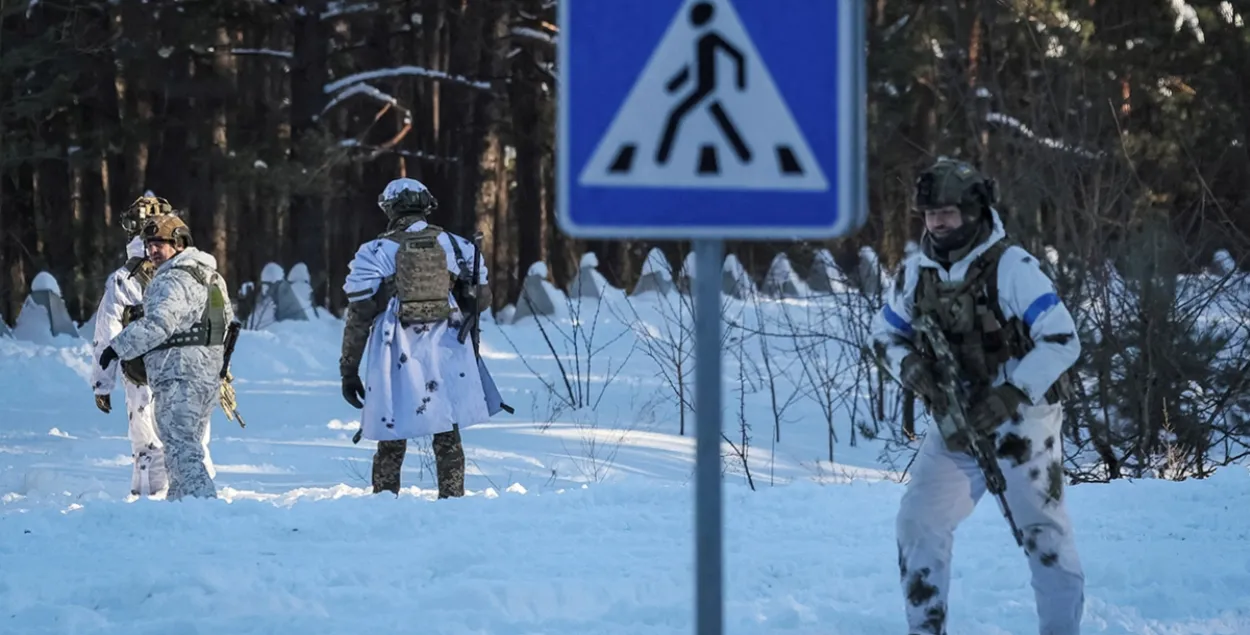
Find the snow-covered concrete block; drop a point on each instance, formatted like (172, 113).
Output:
(735, 282)
(781, 281)
(825, 276)
(538, 296)
(44, 315)
(657, 274)
(588, 283)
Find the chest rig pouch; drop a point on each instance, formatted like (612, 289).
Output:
(422, 281)
(980, 336)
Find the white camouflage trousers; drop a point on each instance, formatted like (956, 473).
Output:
(148, 477)
(184, 408)
(944, 489)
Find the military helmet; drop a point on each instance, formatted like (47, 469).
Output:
(950, 182)
(404, 197)
(142, 209)
(167, 228)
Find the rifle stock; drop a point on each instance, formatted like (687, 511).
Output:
(227, 397)
(953, 422)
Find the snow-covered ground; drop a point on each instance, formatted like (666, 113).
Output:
(579, 517)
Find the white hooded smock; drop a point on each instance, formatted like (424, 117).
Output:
(147, 452)
(419, 380)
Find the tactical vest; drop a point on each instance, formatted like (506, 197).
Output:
(980, 336)
(421, 281)
(209, 330)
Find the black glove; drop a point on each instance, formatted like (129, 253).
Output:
(918, 375)
(107, 357)
(1000, 404)
(353, 390)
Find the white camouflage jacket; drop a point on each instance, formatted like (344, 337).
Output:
(174, 302)
(120, 291)
(1024, 291)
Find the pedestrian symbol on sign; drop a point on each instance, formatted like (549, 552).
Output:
(705, 83)
(720, 130)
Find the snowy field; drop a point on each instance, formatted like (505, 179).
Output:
(579, 514)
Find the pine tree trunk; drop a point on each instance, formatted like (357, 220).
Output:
(525, 96)
(224, 75)
(309, 72)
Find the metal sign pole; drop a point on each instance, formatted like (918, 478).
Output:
(782, 156)
(709, 577)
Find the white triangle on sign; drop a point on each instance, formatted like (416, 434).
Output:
(733, 137)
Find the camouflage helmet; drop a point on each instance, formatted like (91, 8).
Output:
(406, 197)
(167, 228)
(143, 208)
(950, 182)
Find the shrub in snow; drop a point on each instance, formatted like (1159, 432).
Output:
(1163, 383)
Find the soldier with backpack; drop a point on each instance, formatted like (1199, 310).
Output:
(1015, 342)
(410, 291)
(179, 338)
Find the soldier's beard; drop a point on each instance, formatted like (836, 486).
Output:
(159, 258)
(952, 245)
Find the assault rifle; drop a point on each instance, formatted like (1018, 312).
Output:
(228, 403)
(472, 323)
(468, 295)
(953, 422)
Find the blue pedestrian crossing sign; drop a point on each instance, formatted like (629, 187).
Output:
(691, 119)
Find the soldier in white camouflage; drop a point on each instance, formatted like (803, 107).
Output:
(122, 290)
(179, 337)
(408, 293)
(1015, 342)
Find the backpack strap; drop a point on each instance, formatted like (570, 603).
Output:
(991, 258)
(1019, 340)
(460, 259)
